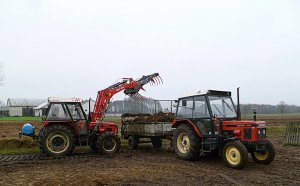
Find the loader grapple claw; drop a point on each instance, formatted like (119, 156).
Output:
(153, 79)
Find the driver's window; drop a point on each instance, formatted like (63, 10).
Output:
(201, 109)
(185, 108)
(217, 106)
(57, 112)
(75, 111)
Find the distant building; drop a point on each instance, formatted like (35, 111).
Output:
(4, 111)
(21, 107)
(41, 110)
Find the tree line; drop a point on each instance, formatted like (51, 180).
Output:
(151, 106)
(280, 108)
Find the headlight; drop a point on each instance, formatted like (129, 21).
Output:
(261, 133)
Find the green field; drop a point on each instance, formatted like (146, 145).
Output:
(108, 118)
(20, 119)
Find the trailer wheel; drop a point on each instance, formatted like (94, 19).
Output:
(156, 142)
(266, 157)
(108, 143)
(56, 140)
(235, 154)
(133, 142)
(186, 143)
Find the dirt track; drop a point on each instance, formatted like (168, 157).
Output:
(149, 167)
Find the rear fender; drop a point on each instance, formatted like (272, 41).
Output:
(68, 124)
(177, 123)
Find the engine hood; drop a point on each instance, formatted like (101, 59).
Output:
(245, 123)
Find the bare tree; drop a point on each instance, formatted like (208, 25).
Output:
(281, 107)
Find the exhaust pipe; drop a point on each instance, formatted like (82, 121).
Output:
(239, 118)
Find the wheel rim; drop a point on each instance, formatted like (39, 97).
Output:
(261, 156)
(57, 142)
(109, 145)
(233, 155)
(183, 143)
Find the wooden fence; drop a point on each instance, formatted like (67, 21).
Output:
(292, 134)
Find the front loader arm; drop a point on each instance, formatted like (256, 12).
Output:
(131, 88)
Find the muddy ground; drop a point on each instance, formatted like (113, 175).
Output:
(147, 166)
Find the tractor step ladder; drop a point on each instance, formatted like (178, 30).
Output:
(292, 134)
(207, 140)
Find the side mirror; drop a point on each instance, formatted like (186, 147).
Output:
(184, 103)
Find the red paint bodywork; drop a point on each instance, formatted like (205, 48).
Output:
(238, 129)
(178, 122)
(235, 126)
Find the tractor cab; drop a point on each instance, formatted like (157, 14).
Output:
(205, 108)
(68, 111)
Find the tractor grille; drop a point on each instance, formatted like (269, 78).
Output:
(247, 133)
(262, 133)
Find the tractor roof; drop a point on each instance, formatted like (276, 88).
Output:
(64, 100)
(211, 92)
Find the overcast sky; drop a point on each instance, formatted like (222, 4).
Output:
(75, 48)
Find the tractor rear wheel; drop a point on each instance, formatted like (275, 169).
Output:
(264, 158)
(156, 142)
(56, 140)
(108, 143)
(133, 142)
(186, 143)
(235, 154)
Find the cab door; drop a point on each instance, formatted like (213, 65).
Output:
(78, 117)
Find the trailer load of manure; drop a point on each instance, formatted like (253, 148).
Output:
(148, 118)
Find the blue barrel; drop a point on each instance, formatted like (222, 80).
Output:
(27, 129)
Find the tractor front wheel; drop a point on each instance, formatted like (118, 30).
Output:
(108, 143)
(56, 140)
(186, 142)
(266, 157)
(235, 154)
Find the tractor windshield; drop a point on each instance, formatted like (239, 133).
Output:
(222, 107)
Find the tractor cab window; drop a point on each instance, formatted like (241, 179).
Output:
(57, 111)
(193, 107)
(201, 109)
(185, 108)
(222, 107)
(76, 111)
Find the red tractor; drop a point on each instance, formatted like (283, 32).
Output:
(208, 122)
(66, 124)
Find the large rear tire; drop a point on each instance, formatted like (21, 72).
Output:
(56, 140)
(235, 154)
(108, 143)
(186, 143)
(266, 157)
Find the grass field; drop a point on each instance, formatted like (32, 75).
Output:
(20, 119)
